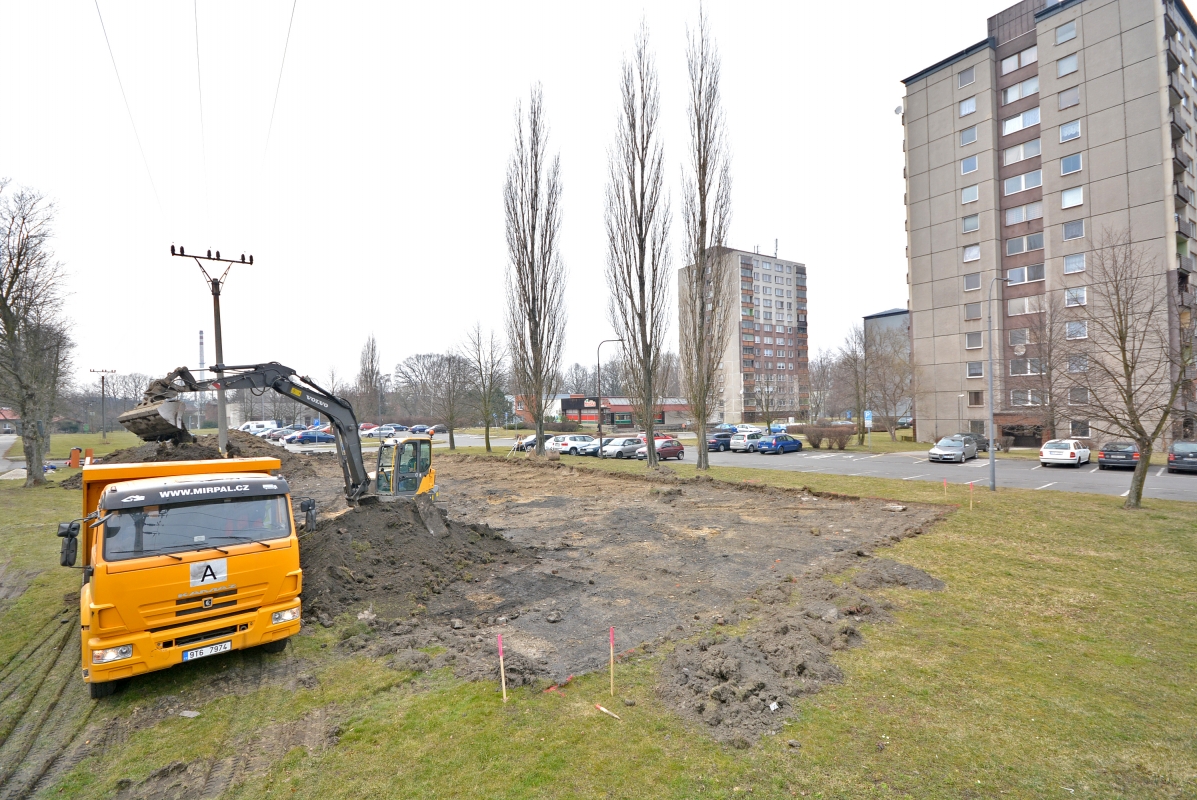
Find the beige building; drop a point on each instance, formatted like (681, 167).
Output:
(1069, 119)
(764, 364)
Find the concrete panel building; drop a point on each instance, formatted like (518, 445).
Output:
(1069, 120)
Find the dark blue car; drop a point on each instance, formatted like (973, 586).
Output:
(310, 437)
(778, 443)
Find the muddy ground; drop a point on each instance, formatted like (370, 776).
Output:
(732, 582)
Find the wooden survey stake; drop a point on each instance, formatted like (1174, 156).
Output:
(612, 661)
(502, 671)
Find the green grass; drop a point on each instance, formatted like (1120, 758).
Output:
(1059, 655)
(61, 444)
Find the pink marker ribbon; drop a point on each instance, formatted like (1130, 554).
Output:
(612, 637)
(500, 645)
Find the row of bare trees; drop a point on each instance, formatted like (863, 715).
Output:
(35, 340)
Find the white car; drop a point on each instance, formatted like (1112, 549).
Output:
(743, 442)
(569, 444)
(1064, 451)
(749, 429)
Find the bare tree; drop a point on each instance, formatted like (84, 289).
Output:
(487, 362)
(535, 273)
(578, 380)
(854, 373)
(369, 387)
(706, 293)
(614, 377)
(669, 372)
(416, 379)
(773, 397)
(35, 345)
(638, 219)
(821, 371)
(1127, 372)
(1038, 378)
(891, 382)
(451, 397)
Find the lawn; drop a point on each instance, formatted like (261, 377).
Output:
(61, 444)
(1058, 662)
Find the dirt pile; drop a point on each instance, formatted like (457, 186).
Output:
(391, 558)
(205, 448)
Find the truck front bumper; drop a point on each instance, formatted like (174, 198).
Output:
(154, 650)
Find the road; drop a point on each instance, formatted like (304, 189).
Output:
(913, 466)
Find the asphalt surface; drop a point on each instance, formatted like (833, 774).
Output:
(914, 466)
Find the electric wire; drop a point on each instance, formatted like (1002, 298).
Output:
(278, 86)
(199, 81)
(128, 109)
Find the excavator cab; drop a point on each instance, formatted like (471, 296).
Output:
(404, 468)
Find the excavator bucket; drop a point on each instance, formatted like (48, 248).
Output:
(158, 421)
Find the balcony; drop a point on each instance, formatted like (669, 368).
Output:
(1176, 89)
(1180, 159)
(1174, 52)
(1179, 126)
(1183, 193)
(1185, 228)
(1185, 298)
(1172, 20)
(1184, 263)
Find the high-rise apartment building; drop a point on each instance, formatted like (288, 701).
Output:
(763, 371)
(1069, 120)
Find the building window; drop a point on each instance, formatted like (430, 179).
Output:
(1025, 397)
(972, 341)
(972, 281)
(1066, 66)
(1070, 97)
(969, 194)
(968, 106)
(1070, 131)
(1024, 305)
(1074, 263)
(1078, 396)
(975, 369)
(1079, 428)
(1074, 229)
(972, 253)
(1020, 121)
(1028, 56)
(1066, 32)
(1020, 90)
(970, 223)
(1071, 198)
(1025, 366)
(1020, 152)
(1020, 183)
(1078, 363)
(972, 311)
(1024, 244)
(1024, 213)
(1024, 274)
(968, 136)
(966, 77)
(968, 165)
(1019, 336)
(1077, 330)
(1070, 164)
(1074, 296)
(976, 399)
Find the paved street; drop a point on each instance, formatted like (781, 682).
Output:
(913, 466)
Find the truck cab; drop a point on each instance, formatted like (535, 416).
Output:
(180, 561)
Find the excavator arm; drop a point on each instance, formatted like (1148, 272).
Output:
(159, 416)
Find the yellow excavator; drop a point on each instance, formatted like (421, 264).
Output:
(404, 466)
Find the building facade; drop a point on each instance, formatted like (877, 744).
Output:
(763, 371)
(1070, 121)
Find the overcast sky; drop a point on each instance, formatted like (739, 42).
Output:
(376, 205)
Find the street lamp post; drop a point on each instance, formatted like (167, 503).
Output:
(104, 373)
(989, 344)
(598, 379)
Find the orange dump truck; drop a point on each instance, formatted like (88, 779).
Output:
(182, 560)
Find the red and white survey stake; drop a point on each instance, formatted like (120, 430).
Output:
(612, 667)
(502, 671)
(605, 711)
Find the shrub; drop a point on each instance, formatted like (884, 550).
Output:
(815, 436)
(840, 435)
(795, 430)
(519, 425)
(562, 427)
(1007, 443)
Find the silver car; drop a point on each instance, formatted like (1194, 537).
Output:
(745, 442)
(953, 448)
(622, 448)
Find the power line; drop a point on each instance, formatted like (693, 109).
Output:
(199, 81)
(282, 64)
(121, 84)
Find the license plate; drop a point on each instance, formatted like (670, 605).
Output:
(1055, 454)
(210, 650)
(1115, 456)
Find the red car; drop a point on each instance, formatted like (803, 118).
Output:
(666, 448)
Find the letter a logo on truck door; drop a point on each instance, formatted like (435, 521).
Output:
(208, 573)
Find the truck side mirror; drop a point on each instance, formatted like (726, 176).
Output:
(308, 507)
(69, 552)
(307, 504)
(68, 529)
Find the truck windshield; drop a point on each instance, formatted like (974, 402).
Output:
(156, 530)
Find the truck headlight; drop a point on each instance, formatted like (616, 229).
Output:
(111, 654)
(279, 617)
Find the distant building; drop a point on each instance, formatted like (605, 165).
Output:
(896, 320)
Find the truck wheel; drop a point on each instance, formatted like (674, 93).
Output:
(100, 690)
(277, 646)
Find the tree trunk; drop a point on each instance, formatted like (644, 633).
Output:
(486, 435)
(34, 449)
(1134, 498)
(704, 456)
(452, 441)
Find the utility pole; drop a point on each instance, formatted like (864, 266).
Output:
(598, 378)
(215, 285)
(104, 373)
